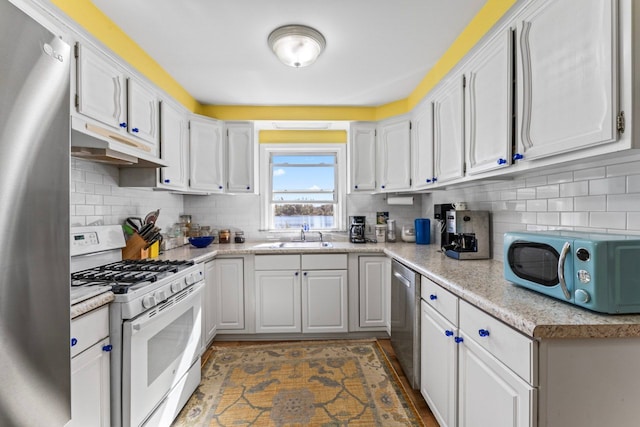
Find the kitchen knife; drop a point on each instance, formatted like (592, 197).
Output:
(145, 231)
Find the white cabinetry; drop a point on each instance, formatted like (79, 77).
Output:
(277, 291)
(448, 130)
(492, 361)
(174, 146)
(240, 154)
(301, 293)
(422, 145)
(90, 369)
(475, 370)
(567, 76)
(394, 155)
(206, 155)
(228, 275)
(374, 284)
(107, 95)
(488, 105)
(362, 154)
(209, 304)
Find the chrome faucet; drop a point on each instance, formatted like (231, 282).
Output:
(302, 236)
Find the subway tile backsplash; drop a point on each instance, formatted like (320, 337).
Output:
(97, 198)
(579, 197)
(600, 198)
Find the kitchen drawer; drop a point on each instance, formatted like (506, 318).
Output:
(440, 299)
(277, 262)
(515, 350)
(88, 329)
(324, 261)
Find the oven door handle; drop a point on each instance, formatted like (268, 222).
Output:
(563, 257)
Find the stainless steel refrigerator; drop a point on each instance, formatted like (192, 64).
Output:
(35, 374)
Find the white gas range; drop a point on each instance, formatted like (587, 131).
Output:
(155, 324)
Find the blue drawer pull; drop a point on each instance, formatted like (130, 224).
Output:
(433, 297)
(483, 332)
(123, 124)
(448, 333)
(74, 341)
(458, 340)
(107, 347)
(518, 156)
(502, 161)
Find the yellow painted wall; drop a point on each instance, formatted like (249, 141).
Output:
(98, 24)
(303, 136)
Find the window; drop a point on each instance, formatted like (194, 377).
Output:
(304, 186)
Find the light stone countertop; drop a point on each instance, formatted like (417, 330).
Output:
(480, 282)
(91, 304)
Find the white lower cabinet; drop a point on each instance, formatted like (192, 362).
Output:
(228, 276)
(301, 293)
(209, 305)
(475, 370)
(90, 370)
(374, 285)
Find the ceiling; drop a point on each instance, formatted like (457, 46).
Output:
(377, 51)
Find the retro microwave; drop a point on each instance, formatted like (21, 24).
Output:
(600, 272)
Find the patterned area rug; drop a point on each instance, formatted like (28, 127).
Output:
(318, 383)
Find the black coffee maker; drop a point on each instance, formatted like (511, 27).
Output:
(357, 229)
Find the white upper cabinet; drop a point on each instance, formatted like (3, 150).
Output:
(106, 95)
(101, 88)
(142, 111)
(394, 155)
(174, 146)
(362, 155)
(422, 145)
(448, 130)
(489, 104)
(206, 155)
(240, 153)
(567, 76)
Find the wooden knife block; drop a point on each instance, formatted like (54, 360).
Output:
(135, 248)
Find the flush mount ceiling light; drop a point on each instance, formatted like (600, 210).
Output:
(296, 45)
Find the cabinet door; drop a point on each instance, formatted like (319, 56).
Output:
(448, 131)
(278, 301)
(229, 277)
(206, 155)
(101, 88)
(567, 76)
(394, 155)
(490, 394)
(240, 158)
(209, 304)
(438, 365)
(363, 157)
(90, 387)
(173, 146)
(488, 106)
(422, 145)
(142, 113)
(374, 282)
(324, 301)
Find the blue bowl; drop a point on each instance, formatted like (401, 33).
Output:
(201, 242)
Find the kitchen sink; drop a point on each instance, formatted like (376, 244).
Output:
(294, 245)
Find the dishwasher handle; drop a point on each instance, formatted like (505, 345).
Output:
(402, 279)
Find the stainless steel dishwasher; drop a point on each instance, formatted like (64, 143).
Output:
(405, 320)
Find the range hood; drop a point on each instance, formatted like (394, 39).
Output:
(98, 144)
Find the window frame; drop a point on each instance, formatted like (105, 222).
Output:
(266, 196)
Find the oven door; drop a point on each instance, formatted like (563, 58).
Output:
(544, 264)
(159, 347)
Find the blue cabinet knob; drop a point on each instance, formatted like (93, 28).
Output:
(483, 332)
(123, 124)
(167, 181)
(305, 273)
(74, 341)
(458, 340)
(248, 187)
(382, 186)
(107, 347)
(502, 161)
(435, 179)
(136, 130)
(296, 273)
(220, 187)
(518, 156)
(355, 186)
(428, 180)
(448, 333)
(433, 297)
